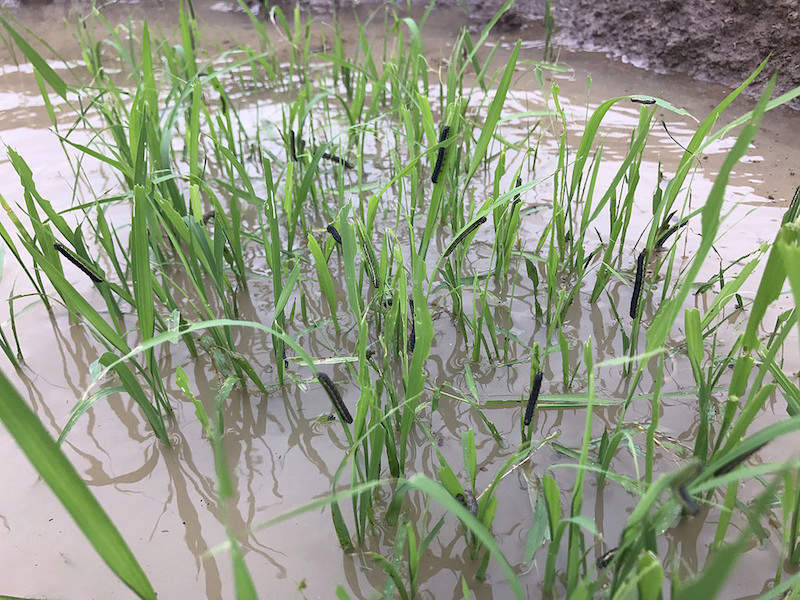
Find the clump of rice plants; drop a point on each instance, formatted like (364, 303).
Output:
(375, 261)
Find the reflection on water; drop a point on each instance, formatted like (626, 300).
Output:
(281, 450)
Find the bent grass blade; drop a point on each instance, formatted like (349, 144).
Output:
(63, 479)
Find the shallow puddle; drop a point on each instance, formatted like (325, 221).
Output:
(282, 451)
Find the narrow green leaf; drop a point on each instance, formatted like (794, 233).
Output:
(552, 497)
(70, 489)
(665, 317)
(436, 492)
(650, 574)
(39, 63)
(493, 116)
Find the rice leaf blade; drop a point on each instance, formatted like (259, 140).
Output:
(63, 479)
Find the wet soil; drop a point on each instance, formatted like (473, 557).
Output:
(716, 40)
(281, 453)
(721, 41)
(713, 40)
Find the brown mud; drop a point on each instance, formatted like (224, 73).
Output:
(720, 41)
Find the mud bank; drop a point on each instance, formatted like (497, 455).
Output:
(720, 41)
(714, 40)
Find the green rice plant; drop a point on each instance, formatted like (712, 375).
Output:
(710, 217)
(576, 543)
(694, 347)
(691, 480)
(419, 483)
(406, 539)
(14, 357)
(549, 29)
(214, 428)
(42, 248)
(664, 318)
(66, 483)
(574, 522)
(381, 252)
(208, 255)
(790, 505)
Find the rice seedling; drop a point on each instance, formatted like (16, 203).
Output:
(379, 268)
(66, 483)
(406, 538)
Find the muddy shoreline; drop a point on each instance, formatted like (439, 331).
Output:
(720, 41)
(714, 40)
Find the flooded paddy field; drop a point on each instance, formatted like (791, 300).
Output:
(545, 254)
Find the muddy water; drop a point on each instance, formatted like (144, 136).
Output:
(281, 455)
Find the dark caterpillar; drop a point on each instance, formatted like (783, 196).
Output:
(412, 336)
(437, 168)
(333, 158)
(637, 284)
(292, 145)
(727, 468)
(336, 399)
(516, 196)
(590, 257)
(370, 263)
(75, 261)
(534, 397)
(468, 501)
(660, 242)
(372, 269)
(690, 506)
(643, 100)
(334, 234)
(463, 235)
(605, 559)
